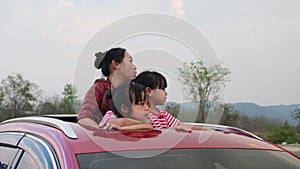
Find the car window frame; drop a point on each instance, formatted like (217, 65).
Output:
(11, 140)
(19, 144)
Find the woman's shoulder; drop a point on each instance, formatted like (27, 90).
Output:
(102, 81)
(102, 84)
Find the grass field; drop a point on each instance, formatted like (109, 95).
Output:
(292, 147)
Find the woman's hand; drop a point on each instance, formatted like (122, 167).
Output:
(111, 126)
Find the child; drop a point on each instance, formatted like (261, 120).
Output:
(130, 101)
(156, 84)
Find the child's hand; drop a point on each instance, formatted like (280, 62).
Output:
(117, 121)
(196, 127)
(183, 127)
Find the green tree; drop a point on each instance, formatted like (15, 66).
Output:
(229, 117)
(203, 82)
(284, 133)
(234, 118)
(69, 102)
(50, 105)
(1, 96)
(173, 108)
(19, 95)
(1, 99)
(2, 109)
(295, 114)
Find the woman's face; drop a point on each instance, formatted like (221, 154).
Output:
(126, 68)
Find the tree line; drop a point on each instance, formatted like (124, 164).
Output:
(274, 130)
(20, 97)
(203, 82)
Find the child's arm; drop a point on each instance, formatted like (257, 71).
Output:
(197, 127)
(177, 124)
(110, 121)
(189, 127)
(120, 122)
(137, 127)
(134, 126)
(108, 117)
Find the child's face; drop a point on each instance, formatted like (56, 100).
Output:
(158, 96)
(140, 111)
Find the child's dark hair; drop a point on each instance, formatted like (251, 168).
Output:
(151, 79)
(127, 94)
(104, 59)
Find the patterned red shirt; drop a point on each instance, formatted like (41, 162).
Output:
(96, 102)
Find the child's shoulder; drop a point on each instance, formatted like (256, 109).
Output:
(163, 112)
(110, 112)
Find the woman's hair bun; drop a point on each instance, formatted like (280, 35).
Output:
(99, 59)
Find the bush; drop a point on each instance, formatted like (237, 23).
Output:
(284, 133)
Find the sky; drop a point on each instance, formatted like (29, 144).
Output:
(258, 41)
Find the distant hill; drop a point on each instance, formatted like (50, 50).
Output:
(281, 112)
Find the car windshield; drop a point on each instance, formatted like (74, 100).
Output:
(191, 159)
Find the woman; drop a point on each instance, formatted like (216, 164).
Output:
(117, 66)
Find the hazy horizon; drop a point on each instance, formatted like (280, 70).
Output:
(257, 40)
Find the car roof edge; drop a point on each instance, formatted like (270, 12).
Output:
(56, 123)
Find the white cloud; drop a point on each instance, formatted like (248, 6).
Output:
(66, 3)
(177, 7)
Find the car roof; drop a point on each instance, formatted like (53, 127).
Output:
(82, 139)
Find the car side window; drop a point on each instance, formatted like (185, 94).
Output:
(7, 156)
(25, 151)
(9, 151)
(28, 161)
(36, 155)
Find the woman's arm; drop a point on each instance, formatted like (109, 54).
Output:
(87, 122)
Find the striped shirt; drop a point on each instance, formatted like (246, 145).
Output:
(163, 120)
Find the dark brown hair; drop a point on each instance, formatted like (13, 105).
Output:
(104, 59)
(127, 94)
(151, 79)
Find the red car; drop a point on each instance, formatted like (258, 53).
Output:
(59, 143)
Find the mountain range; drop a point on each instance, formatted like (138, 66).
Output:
(281, 112)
